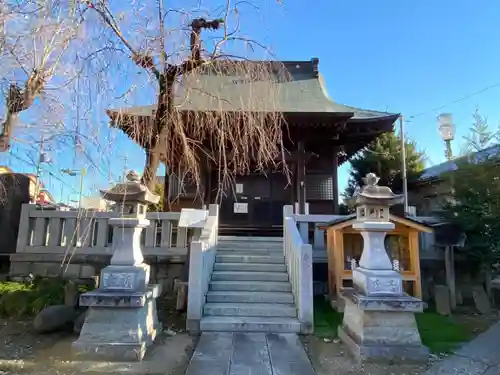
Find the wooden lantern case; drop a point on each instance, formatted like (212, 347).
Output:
(345, 243)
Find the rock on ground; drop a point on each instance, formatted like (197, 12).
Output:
(53, 318)
(77, 326)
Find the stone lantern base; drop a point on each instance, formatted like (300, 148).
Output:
(382, 329)
(120, 324)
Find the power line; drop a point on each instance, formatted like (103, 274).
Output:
(454, 101)
(49, 172)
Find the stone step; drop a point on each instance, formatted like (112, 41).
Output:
(249, 297)
(251, 286)
(248, 276)
(250, 309)
(249, 324)
(262, 267)
(249, 239)
(250, 246)
(249, 258)
(256, 252)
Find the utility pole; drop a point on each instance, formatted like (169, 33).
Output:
(403, 163)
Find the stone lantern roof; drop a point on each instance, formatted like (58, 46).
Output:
(372, 194)
(130, 191)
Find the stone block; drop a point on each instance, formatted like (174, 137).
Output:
(70, 294)
(396, 303)
(382, 335)
(481, 300)
(119, 334)
(40, 269)
(19, 268)
(71, 271)
(54, 269)
(378, 283)
(87, 271)
(125, 278)
(442, 298)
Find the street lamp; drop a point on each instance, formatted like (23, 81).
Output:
(447, 132)
(73, 173)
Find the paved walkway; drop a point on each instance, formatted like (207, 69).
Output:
(481, 356)
(242, 353)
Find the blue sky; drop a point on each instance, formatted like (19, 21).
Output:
(407, 56)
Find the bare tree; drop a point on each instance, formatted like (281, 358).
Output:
(237, 138)
(34, 36)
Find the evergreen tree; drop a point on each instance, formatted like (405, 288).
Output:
(480, 135)
(475, 209)
(383, 157)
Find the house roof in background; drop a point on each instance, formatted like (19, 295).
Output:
(451, 165)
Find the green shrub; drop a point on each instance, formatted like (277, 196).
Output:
(18, 299)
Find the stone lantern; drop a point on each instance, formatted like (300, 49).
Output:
(124, 291)
(379, 322)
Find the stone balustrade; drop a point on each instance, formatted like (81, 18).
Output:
(79, 244)
(88, 232)
(299, 260)
(201, 264)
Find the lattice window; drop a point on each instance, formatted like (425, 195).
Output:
(319, 187)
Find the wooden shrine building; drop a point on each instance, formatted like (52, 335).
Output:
(320, 135)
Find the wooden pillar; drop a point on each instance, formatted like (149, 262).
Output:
(301, 175)
(335, 181)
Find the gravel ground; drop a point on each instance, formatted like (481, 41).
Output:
(19, 341)
(27, 352)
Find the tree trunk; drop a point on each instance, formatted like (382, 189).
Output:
(150, 168)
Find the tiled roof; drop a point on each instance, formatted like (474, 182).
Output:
(304, 92)
(477, 157)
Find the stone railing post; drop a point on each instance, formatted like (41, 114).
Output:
(195, 287)
(23, 235)
(306, 303)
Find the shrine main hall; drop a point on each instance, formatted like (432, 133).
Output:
(318, 134)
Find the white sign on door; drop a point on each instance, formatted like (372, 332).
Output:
(239, 188)
(240, 208)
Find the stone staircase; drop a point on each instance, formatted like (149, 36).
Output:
(249, 289)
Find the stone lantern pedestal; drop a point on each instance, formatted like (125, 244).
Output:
(122, 320)
(379, 318)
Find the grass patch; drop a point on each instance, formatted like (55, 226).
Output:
(326, 319)
(26, 299)
(440, 333)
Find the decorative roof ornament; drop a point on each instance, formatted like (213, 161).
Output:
(133, 176)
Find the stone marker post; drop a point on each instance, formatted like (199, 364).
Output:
(122, 321)
(379, 318)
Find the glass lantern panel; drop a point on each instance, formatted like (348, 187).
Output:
(398, 247)
(353, 248)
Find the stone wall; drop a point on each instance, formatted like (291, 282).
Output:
(14, 192)
(164, 269)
